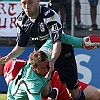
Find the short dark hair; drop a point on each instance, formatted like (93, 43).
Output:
(37, 56)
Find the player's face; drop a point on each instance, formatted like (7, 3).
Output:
(31, 8)
(42, 68)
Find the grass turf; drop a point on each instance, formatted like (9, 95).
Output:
(3, 96)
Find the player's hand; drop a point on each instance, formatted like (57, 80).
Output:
(51, 65)
(91, 42)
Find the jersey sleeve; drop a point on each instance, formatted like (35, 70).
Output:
(54, 26)
(75, 41)
(22, 38)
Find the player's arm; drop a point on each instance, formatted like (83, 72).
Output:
(56, 51)
(14, 53)
(22, 40)
(55, 54)
(89, 42)
(91, 92)
(55, 30)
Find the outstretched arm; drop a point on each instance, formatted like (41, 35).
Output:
(75, 41)
(14, 53)
(89, 42)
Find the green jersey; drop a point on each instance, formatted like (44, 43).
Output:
(27, 85)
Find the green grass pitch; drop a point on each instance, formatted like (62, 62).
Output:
(3, 96)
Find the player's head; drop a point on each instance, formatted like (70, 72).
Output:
(39, 62)
(31, 8)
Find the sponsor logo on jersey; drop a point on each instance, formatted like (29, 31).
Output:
(41, 38)
(47, 12)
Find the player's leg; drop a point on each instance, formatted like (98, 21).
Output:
(92, 93)
(93, 13)
(67, 69)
